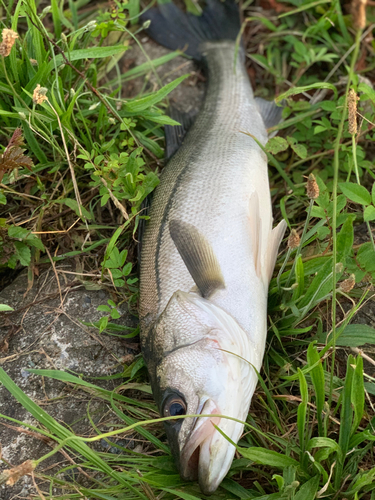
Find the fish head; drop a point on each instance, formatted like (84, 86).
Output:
(204, 368)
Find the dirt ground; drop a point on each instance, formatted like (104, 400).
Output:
(46, 330)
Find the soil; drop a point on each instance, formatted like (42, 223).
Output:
(46, 329)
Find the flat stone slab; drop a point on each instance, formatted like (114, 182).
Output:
(45, 332)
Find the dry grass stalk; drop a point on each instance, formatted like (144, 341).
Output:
(358, 10)
(347, 285)
(39, 94)
(293, 240)
(352, 111)
(312, 188)
(11, 476)
(9, 39)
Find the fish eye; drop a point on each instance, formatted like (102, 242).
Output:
(174, 406)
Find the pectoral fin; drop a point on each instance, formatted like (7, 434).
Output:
(198, 256)
(256, 232)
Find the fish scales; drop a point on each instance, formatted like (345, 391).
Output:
(208, 183)
(208, 253)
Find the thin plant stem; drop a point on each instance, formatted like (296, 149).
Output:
(354, 147)
(371, 235)
(338, 474)
(298, 253)
(75, 185)
(283, 267)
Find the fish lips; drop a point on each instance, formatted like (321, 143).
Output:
(198, 459)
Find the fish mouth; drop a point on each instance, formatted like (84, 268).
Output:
(196, 456)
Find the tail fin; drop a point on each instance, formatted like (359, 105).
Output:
(174, 29)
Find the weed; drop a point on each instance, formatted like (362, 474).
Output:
(310, 431)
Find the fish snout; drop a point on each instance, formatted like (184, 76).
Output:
(216, 455)
(207, 454)
(203, 430)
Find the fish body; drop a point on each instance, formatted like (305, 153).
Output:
(208, 254)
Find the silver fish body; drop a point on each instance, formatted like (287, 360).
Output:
(201, 350)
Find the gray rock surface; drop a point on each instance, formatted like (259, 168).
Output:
(45, 332)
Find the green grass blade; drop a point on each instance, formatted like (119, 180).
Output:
(358, 394)
(139, 105)
(181, 494)
(146, 434)
(56, 18)
(67, 377)
(356, 335)
(90, 53)
(346, 419)
(267, 457)
(308, 490)
(301, 412)
(63, 433)
(317, 377)
(33, 143)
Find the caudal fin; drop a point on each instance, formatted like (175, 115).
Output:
(175, 29)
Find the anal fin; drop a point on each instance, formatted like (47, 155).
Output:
(264, 258)
(274, 240)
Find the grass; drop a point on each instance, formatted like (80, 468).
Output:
(89, 159)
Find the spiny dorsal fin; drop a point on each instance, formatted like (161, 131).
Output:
(270, 112)
(198, 256)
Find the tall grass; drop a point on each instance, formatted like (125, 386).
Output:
(310, 430)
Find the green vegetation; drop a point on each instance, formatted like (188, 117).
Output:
(89, 152)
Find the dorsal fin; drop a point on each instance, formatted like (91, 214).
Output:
(270, 112)
(198, 256)
(145, 209)
(264, 258)
(175, 134)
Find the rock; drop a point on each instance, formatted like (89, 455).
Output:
(45, 332)
(187, 97)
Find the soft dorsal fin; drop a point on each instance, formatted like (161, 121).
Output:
(198, 256)
(264, 258)
(175, 134)
(270, 112)
(145, 209)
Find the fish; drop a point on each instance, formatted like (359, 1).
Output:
(209, 250)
